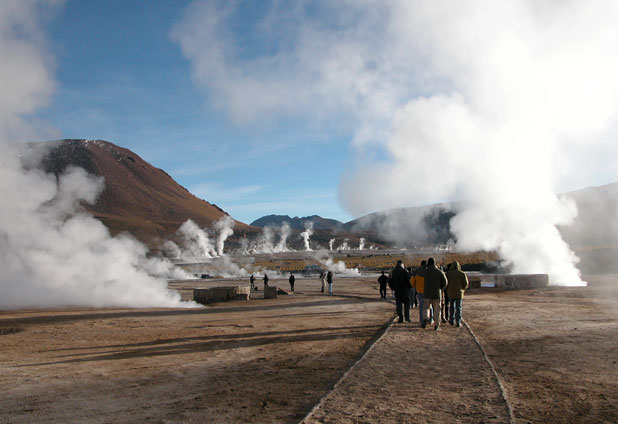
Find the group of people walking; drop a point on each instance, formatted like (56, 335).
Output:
(439, 294)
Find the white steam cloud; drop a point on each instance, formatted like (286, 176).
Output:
(336, 267)
(195, 242)
(498, 105)
(285, 233)
(265, 242)
(307, 234)
(224, 228)
(50, 253)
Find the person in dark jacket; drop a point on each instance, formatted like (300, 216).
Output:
(457, 284)
(329, 280)
(252, 281)
(435, 282)
(265, 279)
(383, 280)
(400, 283)
(292, 280)
(413, 301)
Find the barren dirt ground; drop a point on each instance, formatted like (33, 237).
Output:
(555, 350)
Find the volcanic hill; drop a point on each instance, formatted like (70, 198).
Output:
(138, 198)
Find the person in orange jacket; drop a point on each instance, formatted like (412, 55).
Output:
(418, 282)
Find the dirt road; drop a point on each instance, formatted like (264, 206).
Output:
(274, 360)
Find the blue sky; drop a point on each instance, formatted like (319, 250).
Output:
(120, 77)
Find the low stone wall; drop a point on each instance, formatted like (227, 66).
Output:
(474, 281)
(521, 281)
(221, 294)
(508, 281)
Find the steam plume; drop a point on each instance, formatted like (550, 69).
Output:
(195, 242)
(307, 233)
(285, 233)
(344, 245)
(330, 244)
(361, 244)
(224, 226)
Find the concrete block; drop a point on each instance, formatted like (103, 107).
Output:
(474, 281)
(270, 292)
(521, 281)
(221, 294)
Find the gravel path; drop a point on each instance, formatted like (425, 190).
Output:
(416, 375)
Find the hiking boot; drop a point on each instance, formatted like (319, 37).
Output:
(451, 322)
(458, 324)
(408, 320)
(436, 328)
(424, 324)
(400, 320)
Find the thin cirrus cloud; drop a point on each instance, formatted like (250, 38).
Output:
(215, 191)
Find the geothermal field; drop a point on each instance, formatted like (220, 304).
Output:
(528, 355)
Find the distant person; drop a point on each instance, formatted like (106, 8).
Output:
(435, 282)
(400, 283)
(265, 279)
(323, 278)
(252, 281)
(383, 280)
(329, 280)
(418, 281)
(457, 284)
(292, 280)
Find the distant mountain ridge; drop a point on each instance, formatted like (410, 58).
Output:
(298, 223)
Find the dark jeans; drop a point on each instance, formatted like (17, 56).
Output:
(383, 291)
(456, 310)
(402, 300)
(413, 301)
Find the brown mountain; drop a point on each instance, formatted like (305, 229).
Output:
(138, 197)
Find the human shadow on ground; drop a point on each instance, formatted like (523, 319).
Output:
(211, 309)
(219, 337)
(215, 343)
